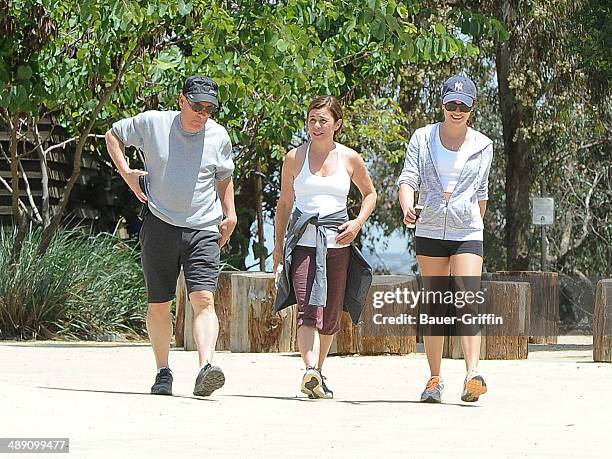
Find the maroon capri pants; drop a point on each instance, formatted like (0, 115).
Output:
(325, 319)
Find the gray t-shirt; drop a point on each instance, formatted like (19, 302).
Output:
(183, 167)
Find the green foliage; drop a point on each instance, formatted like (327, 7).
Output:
(270, 59)
(591, 38)
(83, 287)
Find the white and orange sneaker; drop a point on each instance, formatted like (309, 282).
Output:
(473, 387)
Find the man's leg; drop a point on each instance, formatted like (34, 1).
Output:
(205, 324)
(205, 331)
(159, 327)
(159, 242)
(201, 255)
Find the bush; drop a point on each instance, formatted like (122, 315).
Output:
(84, 287)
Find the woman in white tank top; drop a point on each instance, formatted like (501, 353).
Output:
(316, 179)
(324, 195)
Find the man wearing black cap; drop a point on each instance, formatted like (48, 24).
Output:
(189, 215)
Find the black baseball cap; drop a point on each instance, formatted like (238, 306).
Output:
(459, 88)
(201, 89)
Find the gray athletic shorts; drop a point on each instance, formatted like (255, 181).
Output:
(165, 247)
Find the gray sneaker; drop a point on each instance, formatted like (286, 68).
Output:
(210, 378)
(473, 387)
(163, 382)
(433, 390)
(312, 383)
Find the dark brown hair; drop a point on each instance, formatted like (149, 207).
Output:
(331, 103)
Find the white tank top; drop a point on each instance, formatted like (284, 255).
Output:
(449, 163)
(322, 195)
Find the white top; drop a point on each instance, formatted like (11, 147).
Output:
(322, 195)
(449, 163)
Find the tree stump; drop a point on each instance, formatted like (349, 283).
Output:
(544, 316)
(179, 321)
(602, 322)
(510, 300)
(253, 326)
(369, 338)
(183, 306)
(223, 308)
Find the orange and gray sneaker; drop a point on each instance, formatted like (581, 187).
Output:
(473, 387)
(433, 390)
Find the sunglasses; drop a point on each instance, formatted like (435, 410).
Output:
(198, 107)
(452, 106)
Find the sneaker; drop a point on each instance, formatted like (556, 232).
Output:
(163, 382)
(473, 387)
(312, 383)
(433, 390)
(328, 393)
(210, 378)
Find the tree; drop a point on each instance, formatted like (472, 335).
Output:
(542, 89)
(68, 59)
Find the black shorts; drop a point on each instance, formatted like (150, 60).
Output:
(441, 248)
(166, 247)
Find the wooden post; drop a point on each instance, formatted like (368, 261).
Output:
(223, 308)
(181, 296)
(189, 343)
(602, 322)
(369, 338)
(544, 318)
(254, 328)
(510, 300)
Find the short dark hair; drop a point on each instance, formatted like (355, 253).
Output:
(331, 103)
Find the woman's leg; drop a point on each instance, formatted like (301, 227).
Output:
(429, 267)
(310, 318)
(309, 343)
(469, 265)
(337, 270)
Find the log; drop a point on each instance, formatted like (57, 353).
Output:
(182, 298)
(253, 327)
(602, 322)
(511, 301)
(544, 318)
(370, 338)
(179, 322)
(223, 308)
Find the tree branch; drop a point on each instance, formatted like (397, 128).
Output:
(76, 171)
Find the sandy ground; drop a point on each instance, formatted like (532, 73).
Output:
(555, 404)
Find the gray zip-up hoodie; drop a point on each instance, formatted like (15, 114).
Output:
(459, 218)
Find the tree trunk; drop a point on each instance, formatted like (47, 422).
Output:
(519, 165)
(44, 181)
(260, 219)
(17, 211)
(602, 322)
(245, 212)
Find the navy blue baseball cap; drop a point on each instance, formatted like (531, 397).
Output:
(201, 89)
(459, 88)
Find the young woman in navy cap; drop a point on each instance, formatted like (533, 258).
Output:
(448, 164)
